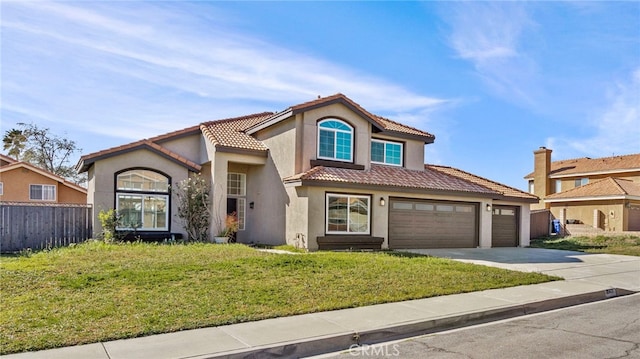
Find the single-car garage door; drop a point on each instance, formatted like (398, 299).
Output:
(634, 218)
(504, 228)
(432, 224)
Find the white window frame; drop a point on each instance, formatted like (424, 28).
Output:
(558, 186)
(384, 152)
(348, 197)
(142, 210)
(532, 187)
(1, 189)
(241, 198)
(49, 187)
(137, 189)
(335, 140)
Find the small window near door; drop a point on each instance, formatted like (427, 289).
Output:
(236, 192)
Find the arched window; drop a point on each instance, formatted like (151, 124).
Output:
(335, 140)
(142, 200)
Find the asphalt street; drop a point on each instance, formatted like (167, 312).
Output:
(604, 329)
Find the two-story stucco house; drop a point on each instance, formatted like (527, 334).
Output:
(603, 193)
(325, 174)
(25, 183)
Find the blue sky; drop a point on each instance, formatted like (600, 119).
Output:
(492, 80)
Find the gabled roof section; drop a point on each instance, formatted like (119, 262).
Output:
(607, 188)
(230, 133)
(43, 172)
(6, 160)
(86, 161)
(388, 176)
(593, 166)
(505, 190)
(383, 125)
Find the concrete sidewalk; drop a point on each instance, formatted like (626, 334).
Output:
(588, 277)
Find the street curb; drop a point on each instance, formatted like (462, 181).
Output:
(349, 339)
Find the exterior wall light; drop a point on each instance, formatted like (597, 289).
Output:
(251, 204)
(488, 207)
(382, 201)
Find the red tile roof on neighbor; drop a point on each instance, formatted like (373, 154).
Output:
(586, 165)
(609, 188)
(19, 164)
(433, 178)
(498, 187)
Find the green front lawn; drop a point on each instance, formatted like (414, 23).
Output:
(96, 292)
(614, 244)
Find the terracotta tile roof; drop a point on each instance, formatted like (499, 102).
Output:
(380, 175)
(498, 187)
(607, 187)
(85, 161)
(586, 165)
(43, 172)
(383, 124)
(230, 132)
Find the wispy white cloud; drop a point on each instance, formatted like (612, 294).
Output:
(139, 66)
(489, 35)
(615, 130)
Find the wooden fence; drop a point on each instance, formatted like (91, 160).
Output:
(540, 223)
(40, 226)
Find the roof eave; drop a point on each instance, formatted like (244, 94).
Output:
(591, 198)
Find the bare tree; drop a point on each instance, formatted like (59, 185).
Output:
(43, 149)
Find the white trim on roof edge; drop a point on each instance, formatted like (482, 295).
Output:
(592, 198)
(580, 174)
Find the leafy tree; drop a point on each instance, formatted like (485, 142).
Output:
(14, 142)
(194, 210)
(43, 149)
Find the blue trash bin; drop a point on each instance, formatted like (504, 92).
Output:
(556, 226)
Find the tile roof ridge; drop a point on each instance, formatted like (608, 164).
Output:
(402, 124)
(480, 177)
(234, 119)
(597, 158)
(580, 188)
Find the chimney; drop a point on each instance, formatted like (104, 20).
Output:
(541, 170)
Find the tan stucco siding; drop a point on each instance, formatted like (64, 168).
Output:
(316, 196)
(297, 214)
(16, 184)
(102, 181)
(187, 147)
(280, 139)
(611, 213)
(362, 133)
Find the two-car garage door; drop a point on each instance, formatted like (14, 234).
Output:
(415, 223)
(432, 224)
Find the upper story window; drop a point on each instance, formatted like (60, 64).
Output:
(386, 152)
(558, 186)
(1, 189)
(581, 182)
(42, 192)
(335, 140)
(531, 187)
(142, 199)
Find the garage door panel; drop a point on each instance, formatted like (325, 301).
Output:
(504, 228)
(432, 224)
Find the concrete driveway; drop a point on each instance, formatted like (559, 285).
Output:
(617, 271)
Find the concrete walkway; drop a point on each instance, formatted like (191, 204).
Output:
(588, 277)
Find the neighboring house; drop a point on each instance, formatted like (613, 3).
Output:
(600, 192)
(325, 174)
(24, 182)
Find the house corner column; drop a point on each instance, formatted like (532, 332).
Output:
(484, 240)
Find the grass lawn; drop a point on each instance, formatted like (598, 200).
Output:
(615, 244)
(97, 292)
